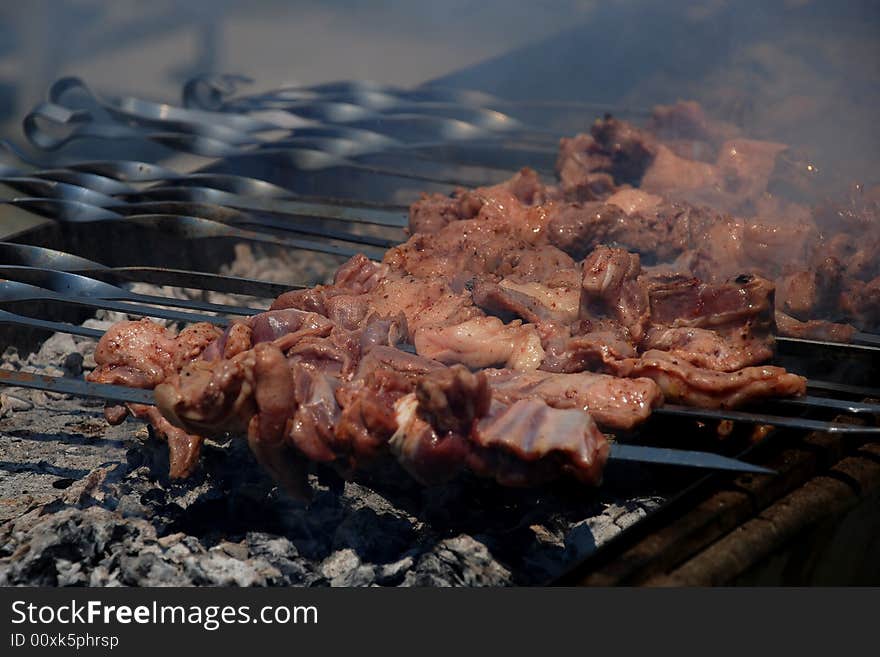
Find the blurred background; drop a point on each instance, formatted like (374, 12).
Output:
(151, 48)
(802, 71)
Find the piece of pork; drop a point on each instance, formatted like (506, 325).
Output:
(521, 444)
(610, 289)
(614, 403)
(684, 383)
(141, 354)
(532, 302)
(814, 329)
(482, 342)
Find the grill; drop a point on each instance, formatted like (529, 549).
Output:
(304, 177)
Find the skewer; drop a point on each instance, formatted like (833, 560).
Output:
(36, 256)
(489, 163)
(394, 219)
(618, 452)
(844, 406)
(374, 126)
(845, 388)
(205, 221)
(187, 227)
(763, 418)
(7, 317)
(217, 92)
(76, 286)
(113, 177)
(448, 118)
(190, 201)
(217, 141)
(261, 221)
(863, 342)
(866, 339)
(15, 291)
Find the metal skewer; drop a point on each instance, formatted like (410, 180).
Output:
(864, 342)
(14, 291)
(187, 227)
(841, 405)
(36, 256)
(76, 286)
(213, 141)
(7, 317)
(217, 92)
(763, 418)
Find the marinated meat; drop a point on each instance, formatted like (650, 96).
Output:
(532, 302)
(611, 289)
(684, 383)
(723, 352)
(652, 272)
(814, 329)
(614, 403)
(631, 149)
(670, 173)
(142, 354)
(482, 342)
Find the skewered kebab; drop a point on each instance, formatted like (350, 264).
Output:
(562, 391)
(439, 286)
(305, 375)
(513, 258)
(709, 203)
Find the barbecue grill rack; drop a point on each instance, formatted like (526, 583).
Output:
(216, 203)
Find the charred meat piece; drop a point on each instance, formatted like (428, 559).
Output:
(451, 399)
(658, 231)
(812, 292)
(861, 302)
(584, 169)
(678, 301)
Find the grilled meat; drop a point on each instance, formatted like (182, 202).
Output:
(453, 420)
(647, 274)
(685, 383)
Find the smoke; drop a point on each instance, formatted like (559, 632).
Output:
(801, 72)
(798, 71)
